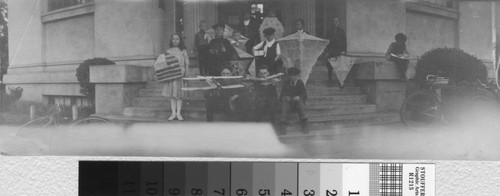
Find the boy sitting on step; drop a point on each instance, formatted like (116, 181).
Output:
(293, 97)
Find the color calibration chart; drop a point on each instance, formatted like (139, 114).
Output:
(264, 178)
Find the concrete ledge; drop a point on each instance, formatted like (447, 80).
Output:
(41, 78)
(117, 85)
(432, 9)
(380, 81)
(114, 98)
(376, 70)
(119, 74)
(387, 95)
(72, 11)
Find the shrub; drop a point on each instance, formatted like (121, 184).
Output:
(85, 111)
(10, 98)
(83, 76)
(22, 109)
(450, 62)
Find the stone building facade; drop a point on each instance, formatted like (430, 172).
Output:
(48, 39)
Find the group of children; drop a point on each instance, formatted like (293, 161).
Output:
(214, 55)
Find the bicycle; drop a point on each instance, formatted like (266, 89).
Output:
(54, 120)
(427, 108)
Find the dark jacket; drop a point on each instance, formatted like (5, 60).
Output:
(338, 43)
(292, 91)
(397, 49)
(223, 52)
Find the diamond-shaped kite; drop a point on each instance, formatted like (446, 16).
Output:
(341, 65)
(272, 22)
(301, 50)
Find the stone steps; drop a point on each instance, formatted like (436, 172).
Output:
(199, 113)
(326, 108)
(351, 120)
(162, 112)
(200, 102)
(311, 91)
(318, 126)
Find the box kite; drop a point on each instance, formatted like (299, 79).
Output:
(301, 50)
(244, 64)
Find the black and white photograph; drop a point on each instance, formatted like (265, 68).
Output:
(301, 79)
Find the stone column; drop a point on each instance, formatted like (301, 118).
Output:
(288, 16)
(305, 9)
(194, 12)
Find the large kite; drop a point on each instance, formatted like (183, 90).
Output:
(301, 50)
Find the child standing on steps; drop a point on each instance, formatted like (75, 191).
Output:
(172, 89)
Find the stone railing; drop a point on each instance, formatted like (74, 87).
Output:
(117, 85)
(380, 81)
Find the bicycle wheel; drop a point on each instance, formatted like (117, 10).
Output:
(481, 104)
(30, 127)
(89, 120)
(421, 109)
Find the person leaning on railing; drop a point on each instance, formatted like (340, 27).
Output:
(397, 53)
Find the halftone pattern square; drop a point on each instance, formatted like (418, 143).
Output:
(374, 179)
(391, 179)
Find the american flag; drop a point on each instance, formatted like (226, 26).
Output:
(167, 68)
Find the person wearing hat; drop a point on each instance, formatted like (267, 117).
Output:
(249, 27)
(293, 97)
(201, 41)
(221, 51)
(268, 52)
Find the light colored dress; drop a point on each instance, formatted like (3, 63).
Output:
(172, 89)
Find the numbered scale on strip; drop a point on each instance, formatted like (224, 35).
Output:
(260, 179)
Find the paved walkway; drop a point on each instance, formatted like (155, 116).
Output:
(472, 141)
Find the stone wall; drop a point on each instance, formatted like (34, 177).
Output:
(476, 31)
(25, 37)
(371, 27)
(426, 32)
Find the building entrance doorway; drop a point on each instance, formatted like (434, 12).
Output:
(231, 12)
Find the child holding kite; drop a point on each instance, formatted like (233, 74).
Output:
(266, 96)
(172, 88)
(268, 52)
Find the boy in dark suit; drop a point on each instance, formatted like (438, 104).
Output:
(221, 51)
(266, 96)
(293, 97)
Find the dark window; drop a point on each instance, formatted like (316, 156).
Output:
(59, 4)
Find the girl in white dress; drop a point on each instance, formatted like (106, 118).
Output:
(172, 89)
